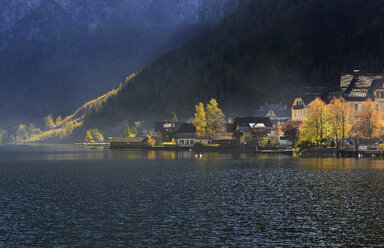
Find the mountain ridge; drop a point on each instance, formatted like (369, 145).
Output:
(58, 54)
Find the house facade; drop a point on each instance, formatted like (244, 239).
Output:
(166, 131)
(307, 95)
(275, 112)
(357, 88)
(186, 135)
(354, 87)
(251, 129)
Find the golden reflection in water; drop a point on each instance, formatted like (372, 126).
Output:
(151, 155)
(341, 163)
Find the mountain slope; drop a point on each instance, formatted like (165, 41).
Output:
(57, 54)
(262, 53)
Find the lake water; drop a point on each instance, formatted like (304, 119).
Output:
(67, 196)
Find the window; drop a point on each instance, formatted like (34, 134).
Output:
(377, 107)
(356, 106)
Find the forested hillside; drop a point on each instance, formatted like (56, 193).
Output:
(58, 75)
(263, 53)
(57, 54)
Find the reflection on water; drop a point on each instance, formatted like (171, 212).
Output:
(66, 196)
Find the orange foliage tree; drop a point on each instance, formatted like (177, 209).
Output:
(368, 122)
(339, 119)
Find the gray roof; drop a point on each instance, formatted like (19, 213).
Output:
(187, 128)
(278, 109)
(360, 88)
(244, 122)
(308, 94)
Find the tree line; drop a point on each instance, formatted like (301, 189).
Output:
(336, 120)
(209, 120)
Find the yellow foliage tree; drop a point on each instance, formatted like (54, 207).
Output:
(368, 123)
(97, 136)
(215, 118)
(128, 133)
(151, 141)
(22, 132)
(59, 120)
(315, 127)
(200, 120)
(88, 137)
(339, 119)
(48, 120)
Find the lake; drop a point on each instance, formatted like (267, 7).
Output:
(68, 196)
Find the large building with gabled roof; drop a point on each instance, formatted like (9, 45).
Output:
(307, 95)
(357, 88)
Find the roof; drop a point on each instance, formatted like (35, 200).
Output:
(126, 140)
(361, 87)
(273, 110)
(245, 123)
(308, 94)
(187, 128)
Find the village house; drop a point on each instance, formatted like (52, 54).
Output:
(131, 142)
(354, 87)
(307, 95)
(166, 131)
(251, 129)
(226, 137)
(187, 137)
(357, 88)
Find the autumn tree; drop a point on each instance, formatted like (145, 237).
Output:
(315, 127)
(368, 123)
(22, 132)
(339, 118)
(58, 120)
(97, 136)
(215, 118)
(33, 130)
(128, 133)
(291, 129)
(151, 141)
(48, 120)
(3, 135)
(200, 120)
(88, 137)
(173, 117)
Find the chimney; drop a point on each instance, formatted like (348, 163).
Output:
(356, 73)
